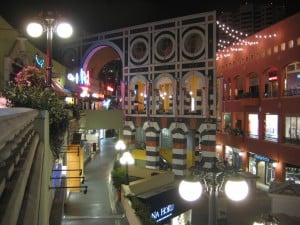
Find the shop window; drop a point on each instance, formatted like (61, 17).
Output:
(298, 41)
(270, 173)
(283, 46)
(291, 43)
(271, 127)
(292, 129)
(293, 174)
(253, 125)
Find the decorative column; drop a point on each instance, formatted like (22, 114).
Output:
(129, 133)
(152, 143)
(179, 161)
(207, 132)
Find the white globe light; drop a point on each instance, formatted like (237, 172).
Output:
(127, 159)
(64, 30)
(236, 190)
(120, 145)
(258, 223)
(190, 190)
(34, 29)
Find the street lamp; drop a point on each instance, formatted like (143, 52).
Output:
(266, 220)
(120, 145)
(211, 176)
(49, 24)
(126, 160)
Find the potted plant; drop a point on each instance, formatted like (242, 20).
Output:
(118, 176)
(28, 90)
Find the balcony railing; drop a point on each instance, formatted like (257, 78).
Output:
(292, 92)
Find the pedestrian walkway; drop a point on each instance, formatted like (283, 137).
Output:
(100, 204)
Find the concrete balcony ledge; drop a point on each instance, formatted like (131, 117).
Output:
(12, 121)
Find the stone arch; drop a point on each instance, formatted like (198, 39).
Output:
(97, 47)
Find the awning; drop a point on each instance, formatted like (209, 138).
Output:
(59, 89)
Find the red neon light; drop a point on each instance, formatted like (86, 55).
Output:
(109, 88)
(273, 78)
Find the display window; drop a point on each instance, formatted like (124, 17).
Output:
(292, 129)
(271, 127)
(292, 174)
(253, 125)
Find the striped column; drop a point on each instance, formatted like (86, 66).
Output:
(179, 158)
(152, 144)
(129, 133)
(179, 154)
(207, 132)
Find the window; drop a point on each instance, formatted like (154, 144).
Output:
(283, 46)
(271, 127)
(292, 129)
(271, 83)
(164, 96)
(139, 97)
(291, 44)
(292, 79)
(166, 140)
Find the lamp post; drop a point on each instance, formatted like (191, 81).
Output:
(49, 24)
(126, 160)
(212, 175)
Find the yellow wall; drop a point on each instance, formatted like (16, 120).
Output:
(75, 163)
(166, 154)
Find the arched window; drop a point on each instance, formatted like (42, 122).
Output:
(164, 95)
(292, 79)
(195, 94)
(271, 82)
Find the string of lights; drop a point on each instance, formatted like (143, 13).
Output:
(236, 40)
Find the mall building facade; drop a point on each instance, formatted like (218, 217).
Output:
(258, 98)
(166, 84)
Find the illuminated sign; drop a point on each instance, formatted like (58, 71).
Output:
(82, 79)
(39, 60)
(109, 88)
(163, 213)
(261, 158)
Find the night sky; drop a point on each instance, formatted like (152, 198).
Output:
(103, 15)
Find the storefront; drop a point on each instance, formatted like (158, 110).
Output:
(233, 156)
(292, 173)
(167, 207)
(263, 167)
